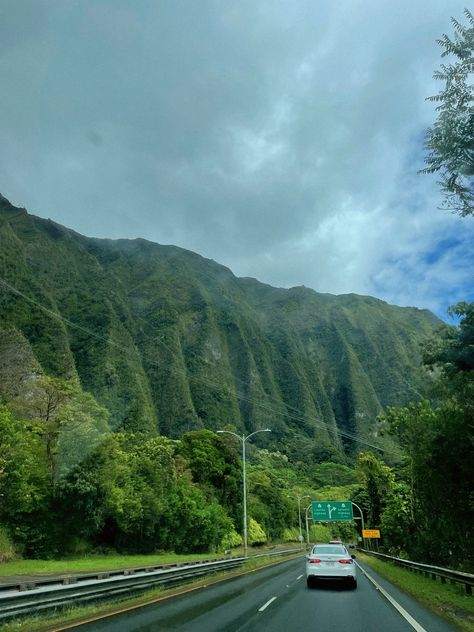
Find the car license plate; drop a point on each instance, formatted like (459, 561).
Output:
(330, 563)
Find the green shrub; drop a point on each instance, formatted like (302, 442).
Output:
(231, 540)
(291, 535)
(7, 550)
(256, 534)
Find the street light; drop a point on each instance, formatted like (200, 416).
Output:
(299, 499)
(244, 438)
(307, 525)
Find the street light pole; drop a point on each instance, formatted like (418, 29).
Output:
(244, 478)
(244, 438)
(299, 499)
(362, 520)
(307, 525)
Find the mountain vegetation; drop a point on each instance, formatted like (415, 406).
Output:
(120, 359)
(170, 342)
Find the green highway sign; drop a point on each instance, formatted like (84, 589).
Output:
(332, 510)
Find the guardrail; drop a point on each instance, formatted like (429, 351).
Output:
(19, 599)
(455, 577)
(28, 582)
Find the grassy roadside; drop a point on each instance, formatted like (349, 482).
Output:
(449, 601)
(110, 562)
(95, 563)
(56, 621)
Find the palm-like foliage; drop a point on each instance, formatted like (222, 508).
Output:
(450, 141)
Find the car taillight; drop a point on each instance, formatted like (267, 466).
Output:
(314, 560)
(346, 561)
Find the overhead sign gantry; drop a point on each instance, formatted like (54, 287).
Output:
(332, 510)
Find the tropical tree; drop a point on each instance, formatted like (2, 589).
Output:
(25, 506)
(378, 479)
(430, 510)
(216, 468)
(450, 141)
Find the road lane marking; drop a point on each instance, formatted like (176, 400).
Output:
(414, 624)
(177, 592)
(265, 605)
(299, 577)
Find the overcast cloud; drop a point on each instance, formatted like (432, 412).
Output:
(281, 139)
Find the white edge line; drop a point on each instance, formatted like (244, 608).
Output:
(265, 605)
(414, 624)
(299, 576)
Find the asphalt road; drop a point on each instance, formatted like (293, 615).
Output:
(276, 599)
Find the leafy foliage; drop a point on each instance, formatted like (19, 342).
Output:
(7, 550)
(429, 511)
(256, 535)
(377, 478)
(450, 142)
(330, 473)
(215, 467)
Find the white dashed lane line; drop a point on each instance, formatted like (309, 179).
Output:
(265, 605)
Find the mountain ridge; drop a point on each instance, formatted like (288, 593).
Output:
(205, 347)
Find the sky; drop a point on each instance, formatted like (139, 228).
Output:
(280, 138)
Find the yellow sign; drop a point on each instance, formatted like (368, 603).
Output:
(371, 533)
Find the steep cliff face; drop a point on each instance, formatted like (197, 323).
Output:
(169, 340)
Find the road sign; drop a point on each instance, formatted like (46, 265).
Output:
(332, 510)
(371, 533)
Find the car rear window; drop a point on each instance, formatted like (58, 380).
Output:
(328, 549)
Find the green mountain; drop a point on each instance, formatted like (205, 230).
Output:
(170, 341)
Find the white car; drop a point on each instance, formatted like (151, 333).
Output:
(330, 562)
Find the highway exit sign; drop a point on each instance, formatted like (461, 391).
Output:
(332, 510)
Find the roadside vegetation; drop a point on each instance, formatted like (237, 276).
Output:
(93, 563)
(423, 504)
(135, 494)
(449, 601)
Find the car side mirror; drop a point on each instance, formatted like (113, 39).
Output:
(353, 557)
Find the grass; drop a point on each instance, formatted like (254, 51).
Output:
(111, 561)
(54, 622)
(447, 600)
(94, 563)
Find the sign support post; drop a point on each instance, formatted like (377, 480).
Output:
(362, 519)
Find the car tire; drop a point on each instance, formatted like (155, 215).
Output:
(309, 583)
(354, 584)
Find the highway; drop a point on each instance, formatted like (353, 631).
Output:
(276, 599)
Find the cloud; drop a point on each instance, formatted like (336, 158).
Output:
(281, 139)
